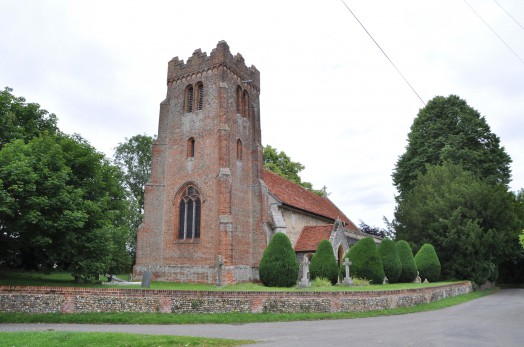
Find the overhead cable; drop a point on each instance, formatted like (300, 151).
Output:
(494, 32)
(376, 43)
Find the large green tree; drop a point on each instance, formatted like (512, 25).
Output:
(20, 120)
(282, 165)
(134, 158)
(62, 204)
(473, 225)
(447, 129)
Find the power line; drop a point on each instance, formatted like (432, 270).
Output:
(509, 14)
(494, 32)
(376, 43)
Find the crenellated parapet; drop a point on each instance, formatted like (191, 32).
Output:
(220, 56)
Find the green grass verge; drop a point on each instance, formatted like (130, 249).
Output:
(62, 279)
(60, 338)
(225, 318)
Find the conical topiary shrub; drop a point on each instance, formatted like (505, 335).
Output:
(279, 265)
(323, 263)
(428, 263)
(409, 269)
(366, 263)
(390, 260)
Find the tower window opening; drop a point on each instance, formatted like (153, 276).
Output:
(239, 100)
(189, 99)
(239, 149)
(189, 214)
(200, 98)
(191, 147)
(245, 104)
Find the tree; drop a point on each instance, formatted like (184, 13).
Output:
(134, 159)
(472, 225)
(409, 268)
(282, 165)
(279, 265)
(449, 130)
(23, 121)
(366, 263)
(390, 260)
(376, 231)
(323, 263)
(62, 204)
(428, 263)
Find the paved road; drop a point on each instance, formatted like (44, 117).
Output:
(494, 320)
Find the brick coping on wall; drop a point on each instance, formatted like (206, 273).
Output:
(33, 299)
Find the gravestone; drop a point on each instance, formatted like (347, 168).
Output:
(418, 279)
(304, 283)
(146, 279)
(347, 279)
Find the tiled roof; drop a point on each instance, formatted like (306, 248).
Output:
(293, 195)
(311, 236)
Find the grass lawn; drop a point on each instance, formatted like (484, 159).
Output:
(225, 318)
(59, 339)
(62, 279)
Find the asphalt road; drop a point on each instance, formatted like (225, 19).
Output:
(494, 320)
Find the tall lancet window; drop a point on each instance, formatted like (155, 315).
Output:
(189, 214)
(188, 99)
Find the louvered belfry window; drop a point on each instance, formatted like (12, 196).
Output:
(200, 88)
(189, 214)
(189, 96)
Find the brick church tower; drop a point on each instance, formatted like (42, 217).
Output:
(205, 203)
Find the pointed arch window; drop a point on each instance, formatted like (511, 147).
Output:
(200, 96)
(239, 149)
(191, 147)
(188, 99)
(239, 100)
(245, 104)
(189, 214)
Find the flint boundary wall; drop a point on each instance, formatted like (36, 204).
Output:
(29, 299)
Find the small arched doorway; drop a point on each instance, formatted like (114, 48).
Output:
(340, 253)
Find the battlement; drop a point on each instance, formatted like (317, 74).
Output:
(220, 56)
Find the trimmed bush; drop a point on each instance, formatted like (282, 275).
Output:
(279, 265)
(323, 263)
(409, 268)
(390, 260)
(428, 263)
(366, 263)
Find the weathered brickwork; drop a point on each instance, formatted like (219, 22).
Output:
(224, 166)
(72, 300)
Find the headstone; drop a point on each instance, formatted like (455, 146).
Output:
(425, 280)
(130, 277)
(219, 263)
(347, 279)
(386, 281)
(304, 283)
(418, 279)
(146, 279)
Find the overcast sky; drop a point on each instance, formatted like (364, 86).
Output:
(329, 97)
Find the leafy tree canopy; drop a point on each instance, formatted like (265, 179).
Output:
(388, 232)
(62, 204)
(21, 120)
(447, 129)
(472, 225)
(282, 165)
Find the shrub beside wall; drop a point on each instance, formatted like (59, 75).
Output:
(390, 260)
(409, 269)
(323, 263)
(366, 261)
(428, 263)
(279, 265)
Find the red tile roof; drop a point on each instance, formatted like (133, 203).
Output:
(311, 236)
(293, 195)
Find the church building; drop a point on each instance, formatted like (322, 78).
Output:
(210, 207)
